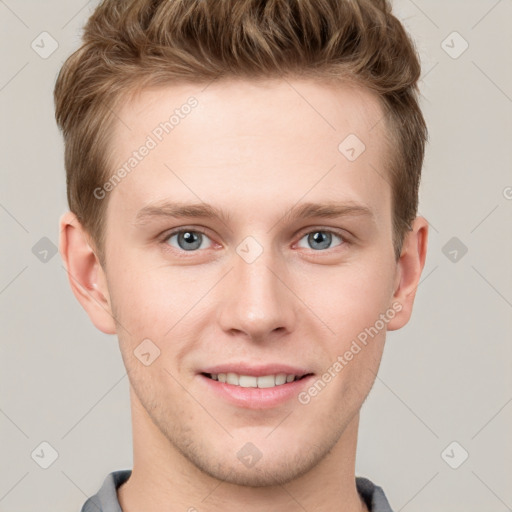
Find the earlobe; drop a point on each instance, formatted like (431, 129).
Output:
(85, 274)
(410, 267)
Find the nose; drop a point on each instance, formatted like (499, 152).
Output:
(257, 302)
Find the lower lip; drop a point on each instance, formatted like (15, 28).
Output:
(257, 398)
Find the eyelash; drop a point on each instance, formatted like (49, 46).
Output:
(168, 235)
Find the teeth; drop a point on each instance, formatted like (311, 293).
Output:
(246, 381)
(250, 381)
(267, 381)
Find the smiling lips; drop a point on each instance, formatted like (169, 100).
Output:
(249, 387)
(252, 381)
(247, 375)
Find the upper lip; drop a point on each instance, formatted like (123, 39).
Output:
(241, 368)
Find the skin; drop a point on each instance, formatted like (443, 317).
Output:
(254, 150)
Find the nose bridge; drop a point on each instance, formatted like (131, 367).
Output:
(258, 302)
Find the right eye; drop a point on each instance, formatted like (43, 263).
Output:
(186, 239)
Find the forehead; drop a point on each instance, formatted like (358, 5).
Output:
(306, 108)
(267, 140)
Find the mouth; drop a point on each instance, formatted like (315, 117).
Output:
(246, 385)
(253, 381)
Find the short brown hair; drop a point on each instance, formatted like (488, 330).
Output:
(132, 44)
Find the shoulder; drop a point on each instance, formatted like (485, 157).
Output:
(105, 500)
(373, 495)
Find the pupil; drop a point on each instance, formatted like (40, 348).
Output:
(322, 238)
(191, 241)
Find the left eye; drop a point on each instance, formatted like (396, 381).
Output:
(187, 240)
(321, 239)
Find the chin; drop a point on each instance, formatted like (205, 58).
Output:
(272, 469)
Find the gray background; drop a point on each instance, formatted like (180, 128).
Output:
(446, 376)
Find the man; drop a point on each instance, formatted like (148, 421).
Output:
(243, 185)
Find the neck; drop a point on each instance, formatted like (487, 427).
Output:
(163, 479)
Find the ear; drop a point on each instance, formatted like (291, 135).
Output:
(409, 268)
(85, 274)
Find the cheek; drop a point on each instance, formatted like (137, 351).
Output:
(137, 302)
(351, 305)
(158, 301)
(352, 298)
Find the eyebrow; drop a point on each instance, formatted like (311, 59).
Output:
(330, 210)
(177, 210)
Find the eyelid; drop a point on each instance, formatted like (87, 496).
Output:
(167, 234)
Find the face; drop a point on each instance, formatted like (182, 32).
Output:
(246, 245)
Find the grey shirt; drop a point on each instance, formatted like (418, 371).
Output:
(105, 500)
